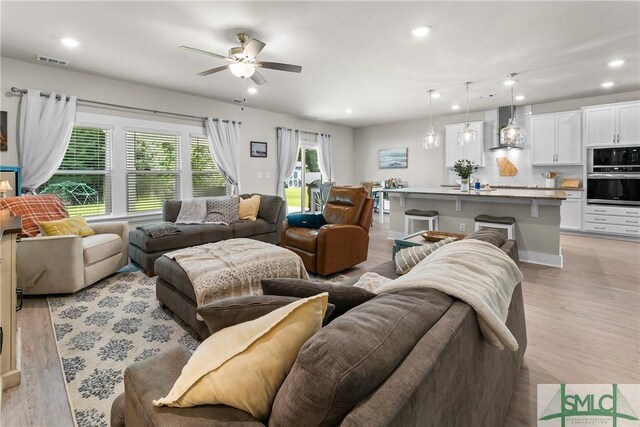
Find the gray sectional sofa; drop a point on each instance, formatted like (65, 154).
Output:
(411, 357)
(145, 250)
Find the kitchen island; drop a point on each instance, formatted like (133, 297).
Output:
(537, 215)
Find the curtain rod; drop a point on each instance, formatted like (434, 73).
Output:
(21, 92)
(304, 131)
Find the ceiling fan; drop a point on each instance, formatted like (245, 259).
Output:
(243, 60)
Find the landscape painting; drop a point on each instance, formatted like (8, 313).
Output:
(258, 149)
(393, 158)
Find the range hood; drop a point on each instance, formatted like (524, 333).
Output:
(504, 114)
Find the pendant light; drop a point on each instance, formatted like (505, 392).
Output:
(512, 134)
(467, 135)
(430, 139)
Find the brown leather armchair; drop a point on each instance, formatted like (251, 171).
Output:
(343, 242)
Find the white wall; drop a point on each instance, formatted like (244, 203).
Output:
(257, 125)
(426, 167)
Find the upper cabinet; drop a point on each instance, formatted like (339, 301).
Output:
(472, 151)
(613, 124)
(556, 138)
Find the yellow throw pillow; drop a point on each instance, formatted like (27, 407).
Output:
(244, 365)
(64, 227)
(249, 207)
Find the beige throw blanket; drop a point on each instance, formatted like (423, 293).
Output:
(476, 272)
(233, 268)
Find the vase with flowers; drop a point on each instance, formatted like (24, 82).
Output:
(464, 168)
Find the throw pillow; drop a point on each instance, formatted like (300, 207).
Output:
(243, 366)
(33, 209)
(314, 221)
(342, 295)
(192, 211)
(249, 207)
(64, 227)
(408, 258)
(222, 211)
(232, 311)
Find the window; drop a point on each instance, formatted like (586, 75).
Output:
(153, 170)
(205, 176)
(83, 180)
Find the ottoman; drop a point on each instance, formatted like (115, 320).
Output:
(234, 266)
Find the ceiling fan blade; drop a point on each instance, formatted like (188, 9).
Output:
(253, 48)
(204, 52)
(213, 70)
(279, 66)
(257, 78)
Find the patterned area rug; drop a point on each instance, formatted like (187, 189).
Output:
(103, 329)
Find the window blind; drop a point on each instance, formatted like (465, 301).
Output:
(83, 180)
(153, 170)
(206, 178)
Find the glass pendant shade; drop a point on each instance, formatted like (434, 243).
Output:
(430, 139)
(241, 69)
(467, 135)
(512, 134)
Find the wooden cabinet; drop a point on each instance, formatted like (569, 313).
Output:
(613, 124)
(9, 363)
(556, 138)
(473, 151)
(571, 211)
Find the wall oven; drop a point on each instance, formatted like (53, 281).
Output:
(613, 176)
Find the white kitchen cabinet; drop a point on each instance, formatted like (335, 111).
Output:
(571, 211)
(473, 151)
(622, 220)
(556, 138)
(613, 124)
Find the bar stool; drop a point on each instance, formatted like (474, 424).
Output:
(419, 215)
(503, 222)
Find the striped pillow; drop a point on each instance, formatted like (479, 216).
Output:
(408, 258)
(34, 209)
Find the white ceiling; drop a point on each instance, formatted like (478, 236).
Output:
(358, 55)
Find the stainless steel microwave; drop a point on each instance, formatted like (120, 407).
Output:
(616, 160)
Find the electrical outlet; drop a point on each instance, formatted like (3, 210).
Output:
(267, 174)
(461, 226)
(259, 175)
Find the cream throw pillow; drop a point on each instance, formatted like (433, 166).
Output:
(244, 365)
(249, 207)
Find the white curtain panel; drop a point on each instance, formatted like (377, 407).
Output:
(224, 141)
(325, 158)
(45, 129)
(288, 145)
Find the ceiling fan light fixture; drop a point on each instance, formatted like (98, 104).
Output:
(242, 69)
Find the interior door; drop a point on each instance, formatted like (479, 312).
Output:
(569, 141)
(629, 124)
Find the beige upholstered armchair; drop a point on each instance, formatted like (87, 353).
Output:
(65, 264)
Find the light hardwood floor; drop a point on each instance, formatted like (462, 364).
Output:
(583, 325)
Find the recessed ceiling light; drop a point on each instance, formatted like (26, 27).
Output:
(70, 42)
(607, 84)
(509, 82)
(421, 31)
(455, 107)
(435, 95)
(252, 90)
(519, 97)
(616, 63)
(348, 111)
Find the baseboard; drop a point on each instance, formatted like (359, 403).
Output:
(600, 235)
(541, 258)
